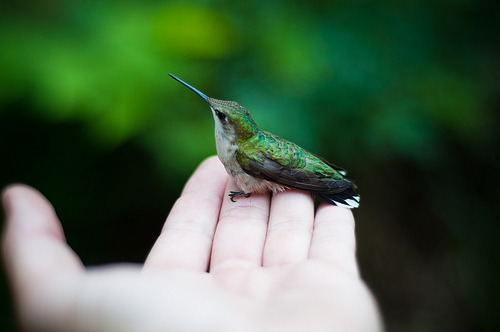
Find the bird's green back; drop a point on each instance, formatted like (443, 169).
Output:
(265, 145)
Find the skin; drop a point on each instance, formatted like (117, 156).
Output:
(274, 264)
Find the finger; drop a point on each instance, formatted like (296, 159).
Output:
(290, 228)
(186, 238)
(333, 237)
(241, 232)
(33, 240)
(39, 263)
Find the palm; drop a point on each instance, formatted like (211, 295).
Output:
(276, 265)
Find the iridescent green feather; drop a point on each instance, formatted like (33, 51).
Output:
(242, 122)
(268, 146)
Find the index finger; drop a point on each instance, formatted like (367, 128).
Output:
(186, 238)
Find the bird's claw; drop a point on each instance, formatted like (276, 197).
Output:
(234, 194)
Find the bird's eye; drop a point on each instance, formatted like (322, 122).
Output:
(220, 115)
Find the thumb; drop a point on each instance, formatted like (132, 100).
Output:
(36, 256)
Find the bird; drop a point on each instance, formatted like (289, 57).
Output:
(260, 161)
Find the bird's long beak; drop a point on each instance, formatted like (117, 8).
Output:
(198, 92)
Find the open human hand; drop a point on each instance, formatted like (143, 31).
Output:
(262, 263)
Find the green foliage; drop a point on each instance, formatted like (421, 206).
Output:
(104, 64)
(401, 93)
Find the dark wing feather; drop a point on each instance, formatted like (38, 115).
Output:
(271, 170)
(277, 160)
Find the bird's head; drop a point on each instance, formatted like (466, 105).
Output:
(232, 121)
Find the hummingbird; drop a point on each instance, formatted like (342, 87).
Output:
(260, 161)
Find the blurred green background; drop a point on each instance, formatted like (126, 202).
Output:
(403, 94)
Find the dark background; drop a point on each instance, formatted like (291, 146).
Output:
(403, 94)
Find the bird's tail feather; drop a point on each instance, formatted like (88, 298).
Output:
(348, 198)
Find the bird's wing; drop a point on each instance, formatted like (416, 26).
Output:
(277, 160)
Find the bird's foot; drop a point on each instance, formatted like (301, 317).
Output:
(234, 194)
